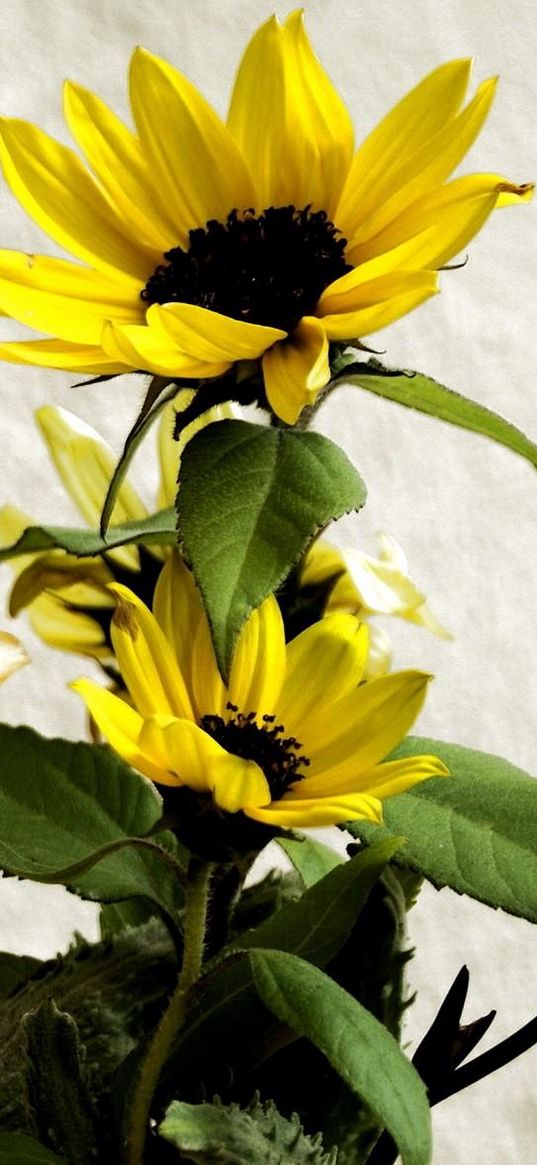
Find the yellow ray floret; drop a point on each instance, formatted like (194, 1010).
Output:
(294, 739)
(200, 242)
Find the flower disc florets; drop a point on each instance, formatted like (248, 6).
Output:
(268, 269)
(262, 742)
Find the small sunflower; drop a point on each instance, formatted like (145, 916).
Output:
(294, 739)
(206, 243)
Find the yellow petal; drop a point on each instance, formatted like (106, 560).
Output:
(209, 336)
(199, 173)
(68, 630)
(258, 667)
(363, 727)
(257, 114)
(322, 562)
(324, 663)
(380, 587)
(85, 464)
(60, 354)
(380, 654)
(179, 611)
(238, 784)
(317, 812)
(405, 129)
(144, 348)
(80, 582)
(118, 722)
(64, 316)
(428, 167)
(296, 370)
(389, 296)
(145, 658)
(116, 157)
(56, 190)
(379, 781)
(12, 655)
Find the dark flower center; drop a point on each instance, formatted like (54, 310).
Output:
(265, 269)
(263, 743)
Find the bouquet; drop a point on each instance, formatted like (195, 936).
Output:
(241, 1004)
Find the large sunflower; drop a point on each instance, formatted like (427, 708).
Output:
(291, 741)
(207, 243)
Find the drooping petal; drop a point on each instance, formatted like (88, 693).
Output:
(57, 191)
(78, 321)
(199, 174)
(85, 464)
(238, 784)
(119, 723)
(150, 350)
(296, 370)
(324, 663)
(60, 354)
(12, 655)
(398, 137)
(380, 781)
(385, 300)
(186, 754)
(145, 658)
(379, 587)
(209, 336)
(316, 812)
(117, 158)
(364, 726)
(80, 582)
(68, 630)
(258, 667)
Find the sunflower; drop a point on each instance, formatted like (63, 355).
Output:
(206, 243)
(367, 586)
(68, 599)
(294, 738)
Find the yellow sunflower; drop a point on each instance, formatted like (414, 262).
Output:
(294, 739)
(205, 243)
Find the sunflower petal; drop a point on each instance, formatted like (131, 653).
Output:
(60, 354)
(405, 129)
(12, 655)
(238, 784)
(296, 370)
(209, 336)
(382, 301)
(362, 728)
(380, 781)
(116, 157)
(68, 630)
(199, 174)
(119, 723)
(316, 812)
(145, 658)
(258, 110)
(56, 190)
(258, 666)
(324, 663)
(144, 348)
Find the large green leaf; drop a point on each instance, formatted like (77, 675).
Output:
(475, 831)
(250, 501)
(417, 391)
(65, 808)
(360, 1048)
(17, 1149)
(218, 1134)
(158, 529)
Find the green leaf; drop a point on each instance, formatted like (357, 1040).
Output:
(157, 529)
(15, 970)
(81, 804)
(250, 501)
(155, 399)
(360, 1049)
(417, 391)
(475, 831)
(58, 1093)
(217, 1134)
(311, 859)
(16, 1149)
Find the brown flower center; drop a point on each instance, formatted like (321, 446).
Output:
(264, 743)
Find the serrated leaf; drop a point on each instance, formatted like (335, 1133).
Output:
(420, 392)
(63, 804)
(217, 1134)
(360, 1048)
(311, 859)
(475, 832)
(58, 1092)
(250, 501)
(157, 529)
(17, 1149)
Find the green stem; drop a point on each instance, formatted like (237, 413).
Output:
(195, 921)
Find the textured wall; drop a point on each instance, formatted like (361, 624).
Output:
(464, 510)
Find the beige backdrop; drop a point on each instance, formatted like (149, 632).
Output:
(464, 510)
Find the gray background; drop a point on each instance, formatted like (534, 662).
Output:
(464, 510)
